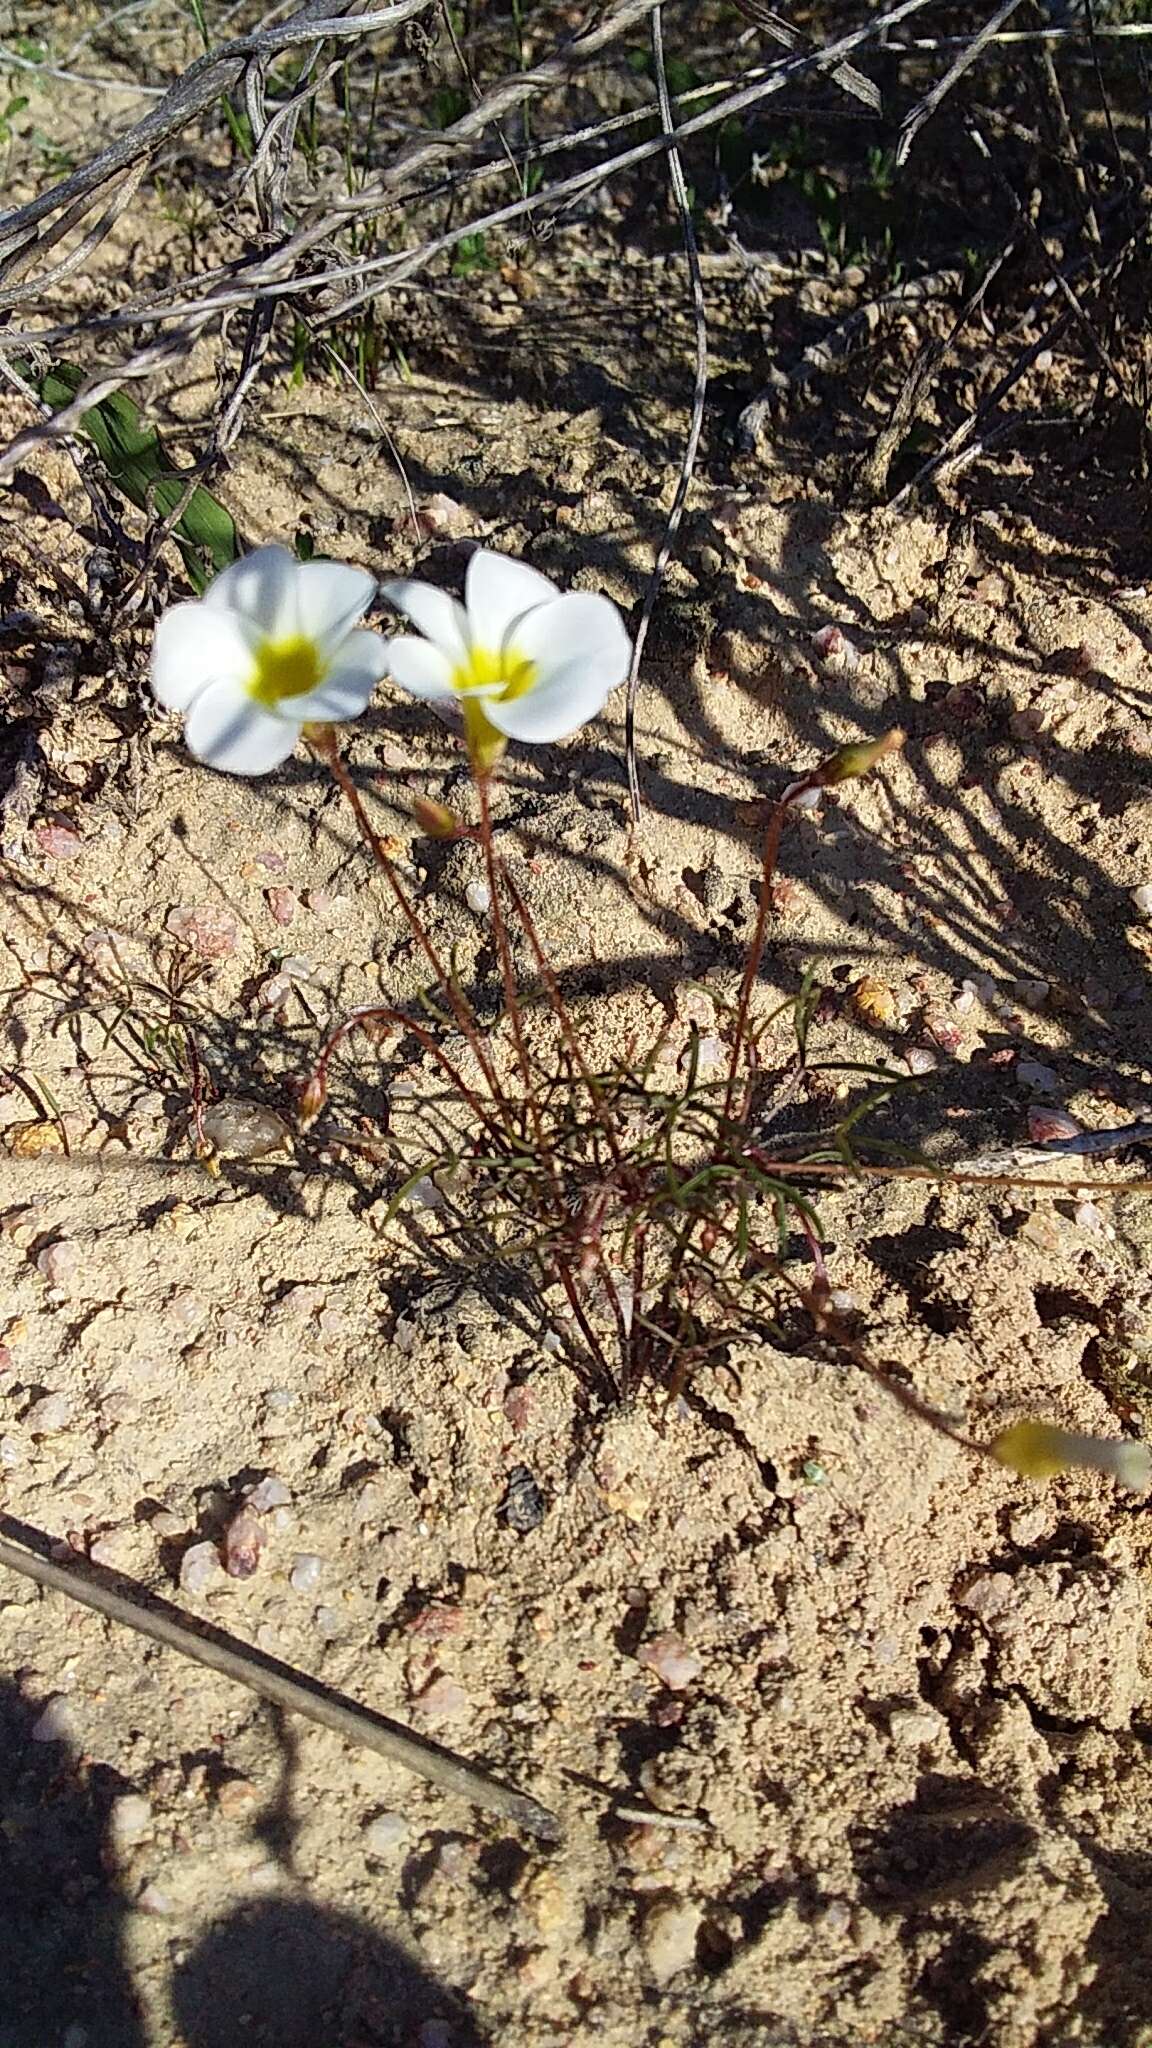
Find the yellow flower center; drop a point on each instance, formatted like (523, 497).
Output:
(511, 671)
(285, 668)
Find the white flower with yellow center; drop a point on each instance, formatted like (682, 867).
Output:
(271, 646)
(523, 661)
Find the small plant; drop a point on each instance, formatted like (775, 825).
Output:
(657, 1214)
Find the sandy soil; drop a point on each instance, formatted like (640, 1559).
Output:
(883, 1712)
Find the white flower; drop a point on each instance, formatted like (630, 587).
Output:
(525, 662)
(271, 646)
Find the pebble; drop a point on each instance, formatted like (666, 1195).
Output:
(51, 1413)
(669, 1939)
(200, 1567)
(443, 1699)
(523, 1506)
(59, 841)
(327, 1624)
(386, 1833)
(478, 897)
(243, 1542)
(915, 1727)
(839, 655)
(1142, 898)
(10, 1453)
(60, 1265)
(57, 1723)
(129, 1817)
(306, 1573)
(242, 1129)
(154, 1902)
(991, 1594)
(919, 1060)
(235, 1797)
(1034, 1074)
(669, 1658)
(1045, 1123)
(283, 903)
(210, 932)
(269, 1493)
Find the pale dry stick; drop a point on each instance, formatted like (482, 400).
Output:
(696, 417)
(1068, 143)
(872, 476)
(913, 122)
(191, 95)
(10, 58)
(10, 296)
(291, 1690)
(737, 102)
(262, 279)
(1018, 38)
(825, 354)
(1058, 275)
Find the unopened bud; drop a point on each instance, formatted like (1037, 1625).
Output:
(858, 759)
(1039, 1450)
(435, 819)
(313, 1096)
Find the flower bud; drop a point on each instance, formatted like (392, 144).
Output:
(1040, 1450)
(858, 759)
(434, 819)
(313, 1096)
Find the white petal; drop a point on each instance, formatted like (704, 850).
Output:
(229, 730)
(261, 587)
(570, 697)
(330, 598)
(418, 666)
(498, 590)
(192, 647)
(350, 681)
(441, 617)
(581, 651)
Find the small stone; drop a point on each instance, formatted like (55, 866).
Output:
(200, 1568)
(235, 1798)
(838, 654)
(211, 932)
(671, 1661)
(386, 1833)
(1142, 898)
(283, 903)
(59, 842)
(988, 1596)
(154, 1902)
(51, 1413)
(478, 897)
(1034, 1074)
(964, 1002)
(306, 1573)
(1034, 993)
(916, 1727)
(523, 1504)
(10, 1453)
(328, 1624)
(244, 1540)
(669, 1939)
(129, 1817)
(443, 1699)
(269, 1493)
(57, 1723)
(242, 1129)
(1045, 1124)
(75, 2037)
(919, 1060)
(60, 1265)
